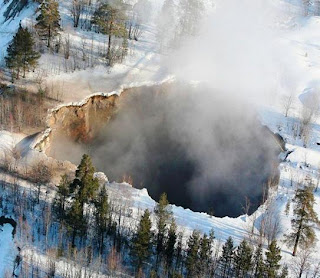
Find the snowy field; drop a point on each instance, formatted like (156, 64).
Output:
(8, 249)
(299, 38)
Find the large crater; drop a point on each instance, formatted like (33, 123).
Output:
(208, 152)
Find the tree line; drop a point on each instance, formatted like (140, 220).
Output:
(116, 19)
(160, 252)
(87, 224)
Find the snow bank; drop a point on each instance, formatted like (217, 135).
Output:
(7, 249)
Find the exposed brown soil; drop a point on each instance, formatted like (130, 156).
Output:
(82, 123)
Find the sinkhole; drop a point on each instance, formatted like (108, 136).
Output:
(205, 149)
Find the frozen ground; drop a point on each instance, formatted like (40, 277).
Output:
(301, 38)
(7, 249)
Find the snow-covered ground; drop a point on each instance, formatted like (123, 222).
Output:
(8, 250)
(143, 65)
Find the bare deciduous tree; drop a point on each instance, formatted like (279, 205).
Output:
(269, 223)
(66, 47)
(309, 112)
(287, 102)
(39, 80)
(302, 263)
(40, 174)
(77, 9)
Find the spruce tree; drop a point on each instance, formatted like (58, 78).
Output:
(163, 215)
(48, 22)
(192, 258)
(243, 259)
(258, 263)
(102, 216)
(227, 257)
(304, 218)
(170, 245)
(141, 246)
(272, 262)
(21, 56)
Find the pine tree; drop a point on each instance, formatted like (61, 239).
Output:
(179, 250)
(111, 19)
(304, 217)
(272, 262)
(48, 22)
(205, 253)
(192, 258)
(227, 257)
(258, 263)
(243, 259)
(85, 187)
(141, 247)
(76, 221)
(85, 181)
(170, 244)
(21, 56)
(102, 216)
(163, 215)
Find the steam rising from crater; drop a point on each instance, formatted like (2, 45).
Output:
(239, 50)
(195, 145)
(204, 150)
(204, 145)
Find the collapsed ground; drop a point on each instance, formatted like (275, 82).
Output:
(145, 136)
(301, 164)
